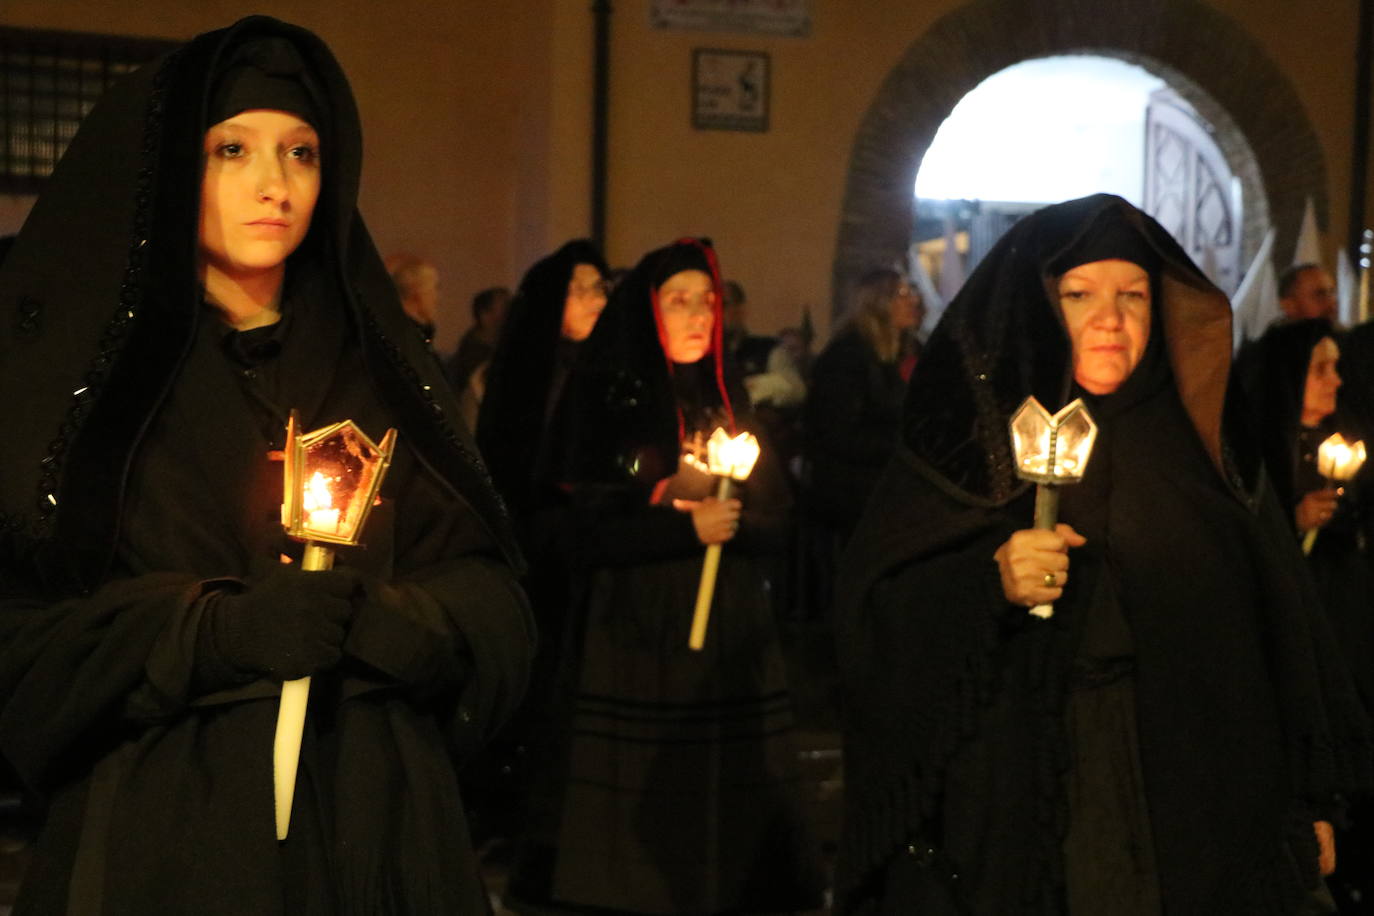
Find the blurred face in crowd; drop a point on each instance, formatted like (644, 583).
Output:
(907, 309)
(421, 300)
(258, 191)
(1323, 381)
(1106, 307)
(584, 303)
(686, 303)
(494, 316)
(1313, 296)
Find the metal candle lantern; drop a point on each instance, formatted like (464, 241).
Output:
(1051, 451)
(331, 480)
(1338, 461)
(728, 459)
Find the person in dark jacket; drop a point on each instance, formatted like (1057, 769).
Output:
(1171, 738)
(194, 270)
(854, 401)
(673, 790)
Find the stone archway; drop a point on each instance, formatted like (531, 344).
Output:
(1211, 61)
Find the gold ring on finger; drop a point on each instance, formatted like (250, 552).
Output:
(1051, 580)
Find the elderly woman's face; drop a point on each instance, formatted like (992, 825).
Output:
(258, 191)
(1106, 307)
(584, 303)
(1323, 381)
(686, 302)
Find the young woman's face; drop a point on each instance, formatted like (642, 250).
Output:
(585, 300)
(687, 303)
(258, 191)
(906, 308)
(1323, 381)
(1106, 306)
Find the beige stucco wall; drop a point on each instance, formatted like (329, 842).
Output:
(477, 125)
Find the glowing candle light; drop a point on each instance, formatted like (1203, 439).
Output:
(728, 459)
(318, 504)
(1338, 461)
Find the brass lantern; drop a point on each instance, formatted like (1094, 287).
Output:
(1051, 451)
(331, 481)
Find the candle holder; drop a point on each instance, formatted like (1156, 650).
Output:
(330, 484)
(728, 460)
(1338, 462)
(1051, 451)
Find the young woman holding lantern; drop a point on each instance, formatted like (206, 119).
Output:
(1167, 738)
(673, 787)
(196, 270)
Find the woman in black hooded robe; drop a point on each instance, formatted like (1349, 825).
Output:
(674, 790)
(1291, 377)
(1163, 741)
(147, 618)
(553, 312)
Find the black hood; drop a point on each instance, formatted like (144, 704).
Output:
(1003, 338)
(103, 297)
(521, 373)
(1272, 370)
(628, 408)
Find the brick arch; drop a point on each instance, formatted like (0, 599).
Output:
(1260, 123)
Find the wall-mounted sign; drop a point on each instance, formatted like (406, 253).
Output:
(729, 90)
(755, 17)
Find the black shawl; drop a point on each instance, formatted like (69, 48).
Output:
(158, 791)
(628, 408)
(523, 375)
(954, 699)
(1273, 372)
(103, 299)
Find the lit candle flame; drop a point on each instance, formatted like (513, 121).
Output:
(731, 457)
(318, 503)
(1338, 459)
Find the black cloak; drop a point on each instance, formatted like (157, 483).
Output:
(672, 788)
(137, 488)
(956, 746)
(1272, 370)
(527, 373)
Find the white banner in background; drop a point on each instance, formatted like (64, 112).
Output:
(754, 17)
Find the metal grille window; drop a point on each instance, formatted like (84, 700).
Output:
(48, 82)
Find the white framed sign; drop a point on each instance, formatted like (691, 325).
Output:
(730, 90)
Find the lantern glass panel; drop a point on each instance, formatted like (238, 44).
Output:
(338, 473)
(1030, 440)
(1075, 444)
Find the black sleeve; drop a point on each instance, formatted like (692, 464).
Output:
(838, 405)
(73, 669)
(451, 624)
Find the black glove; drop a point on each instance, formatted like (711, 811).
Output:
(287, 625)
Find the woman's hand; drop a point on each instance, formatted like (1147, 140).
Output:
(1035, 564)
(1326, 840)
(715, 520)
(1316, 509)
